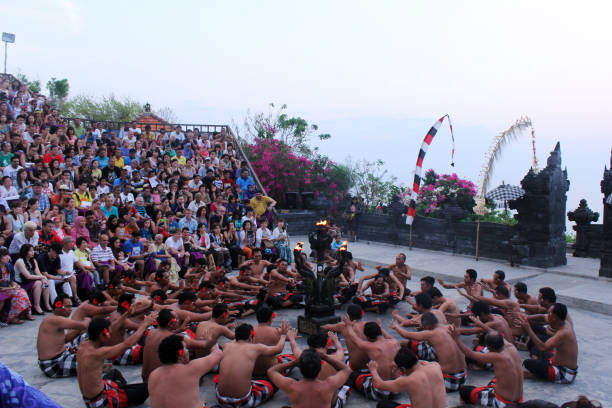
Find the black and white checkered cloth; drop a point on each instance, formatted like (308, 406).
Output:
(505, 193)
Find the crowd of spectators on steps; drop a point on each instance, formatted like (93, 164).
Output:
(81, 202)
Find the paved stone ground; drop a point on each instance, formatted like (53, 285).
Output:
(18, 344)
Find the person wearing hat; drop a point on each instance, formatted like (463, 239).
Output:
(62, 196)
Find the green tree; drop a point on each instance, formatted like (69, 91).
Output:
(277, 124)
(105, 108)
(58, 88)
(33, 86)
(372, 182)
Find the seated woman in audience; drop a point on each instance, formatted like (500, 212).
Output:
(13, 299)
(29, 277)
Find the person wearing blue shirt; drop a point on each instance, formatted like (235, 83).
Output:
(102, 158)
(244, 180)
(188, 222)
(133, 248)
(108, 208)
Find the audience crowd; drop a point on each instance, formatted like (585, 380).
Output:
(83, 202)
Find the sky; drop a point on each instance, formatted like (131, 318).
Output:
(375, 75)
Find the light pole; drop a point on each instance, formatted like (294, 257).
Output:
(7, 38)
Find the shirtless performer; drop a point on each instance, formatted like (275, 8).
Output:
(401, 271)
(56, 358)
(444, 349)
(395, 284)
(485, 322)
(471, 286)
(506, 388)
(562, 368)
(546, 298)
(161, 281)
(378, 349)
(212, 329)
(168, 324)
(422, 381)
(509, 307)
(427, 282)
(445, 305)
(235, 386)
(498, 280)
(278, 294)
(422, 304)
(521, 295)
(257, 264)
(358, 358)
(120, 322)
(323, 376)
(269, 336)
(88, 310)
(110, 390)
(176, 382)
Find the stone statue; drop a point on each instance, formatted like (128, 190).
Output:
(320, 285)
(583, 215)
(605, 268)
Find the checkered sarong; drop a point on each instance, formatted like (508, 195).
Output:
(343, 394)
(487, 397)
(365, 384)
(64, 365)
(423, 350)
(131, 356)
(260, 392)
(452, 382)
(111, 397)
(561, 375)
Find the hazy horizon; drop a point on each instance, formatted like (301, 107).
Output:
(374, 75)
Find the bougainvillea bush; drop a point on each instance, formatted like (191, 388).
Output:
(437, 191)
(280, 171)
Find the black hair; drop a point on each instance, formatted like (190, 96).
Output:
(372, 330)
(434, 293)
(560, 310)
(318, 340)
(403, 255)
(243, 332)
(502, 290)
(164, 318)
(548, 294)
(61, 297)
(494, 341)
(124, 297)
(310, 364)
(158, 295)
(218, 310)
(472, 273)
(423, 300)
(520, 287)
(96, 297)
(159, 275)
(264, 314)
(186, 296)
(168, 349)
(355, 312)
(428, 280)
(96, 327)
(428, 319)
(405, 358)
(500, 274)
(480, 308)
(384, 272)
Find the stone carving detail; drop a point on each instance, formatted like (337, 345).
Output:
(605, 268)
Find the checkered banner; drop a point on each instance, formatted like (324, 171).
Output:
(419, 165)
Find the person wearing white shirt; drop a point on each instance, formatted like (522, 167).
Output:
(175, 246)
(12, 169)
(263, 233)
(68, 261)
(27, 236)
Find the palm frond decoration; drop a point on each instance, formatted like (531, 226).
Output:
(496, 149)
